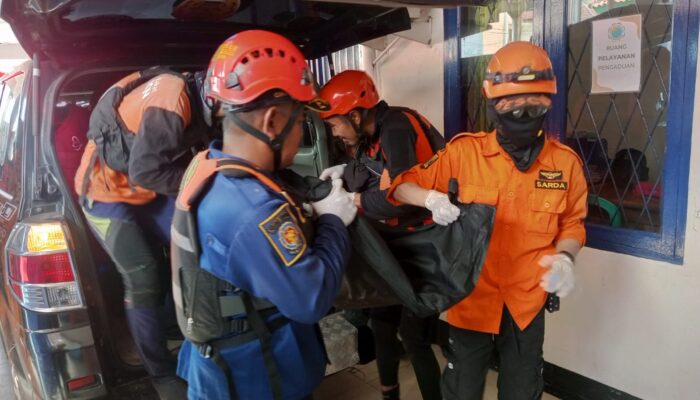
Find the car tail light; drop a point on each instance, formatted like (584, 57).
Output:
(40, 267)
(80, 383)
(46, 237)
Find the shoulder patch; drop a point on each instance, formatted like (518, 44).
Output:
(284, 234)
(430, 162)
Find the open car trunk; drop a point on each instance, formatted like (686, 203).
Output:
(74, 32)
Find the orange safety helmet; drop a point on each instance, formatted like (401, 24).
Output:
(347, 91)
(519, 68)
(251, 63)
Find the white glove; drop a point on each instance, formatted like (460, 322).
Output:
(444, 212)
(334, 172)
(339, 203)
(560, 277)
(308, 210)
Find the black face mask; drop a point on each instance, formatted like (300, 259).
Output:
(520, 137)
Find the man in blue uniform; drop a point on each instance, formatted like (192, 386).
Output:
(253, 236)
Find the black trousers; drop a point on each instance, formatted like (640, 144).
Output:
(417, 335)
(469, 355)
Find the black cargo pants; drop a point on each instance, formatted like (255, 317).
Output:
(417, 336)
(469, 355)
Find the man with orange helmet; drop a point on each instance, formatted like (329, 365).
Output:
(253, 236)
(538, 187)
(386, 141)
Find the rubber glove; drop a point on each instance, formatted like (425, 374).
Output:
(334, 172)
(560, 277)
(338, 202)
(444, 212)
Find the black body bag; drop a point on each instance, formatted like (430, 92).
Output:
(427, 269)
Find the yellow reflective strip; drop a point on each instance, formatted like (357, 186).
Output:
(99, 223)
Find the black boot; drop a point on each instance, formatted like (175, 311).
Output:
(146, 326)
(392, 394)
(148, 330)
(170, 387)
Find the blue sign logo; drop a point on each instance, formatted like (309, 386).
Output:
(616, 31)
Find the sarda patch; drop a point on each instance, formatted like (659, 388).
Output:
(551, 175)
(284, 234)
(557, 185)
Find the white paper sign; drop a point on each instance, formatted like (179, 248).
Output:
(617, 54)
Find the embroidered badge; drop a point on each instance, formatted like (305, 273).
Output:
(551, 175)
(289, 236)
(285, 236)
(558, 185)
(430, 162)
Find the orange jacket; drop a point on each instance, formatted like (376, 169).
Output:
(158, 113)
(534, 210)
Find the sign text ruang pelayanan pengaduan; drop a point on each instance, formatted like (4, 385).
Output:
(616, 55)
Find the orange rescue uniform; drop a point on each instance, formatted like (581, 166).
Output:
(534, 210)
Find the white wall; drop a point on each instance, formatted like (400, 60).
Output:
(411, 74)
(634, 324)
(11, 53)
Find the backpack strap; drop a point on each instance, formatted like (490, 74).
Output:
(262, 331)
(426, 144)
(84, 202)
(203, 168)
(212, 350)
(423, 148)
(196, 177)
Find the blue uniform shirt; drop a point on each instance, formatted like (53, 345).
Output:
(250, 237)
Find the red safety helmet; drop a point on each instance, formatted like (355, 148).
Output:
(252, 63)
(519, 68)
(347, 91)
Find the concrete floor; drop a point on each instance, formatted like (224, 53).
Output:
(362, 383)
(359, 383)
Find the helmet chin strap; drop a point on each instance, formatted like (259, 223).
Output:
(275, 144)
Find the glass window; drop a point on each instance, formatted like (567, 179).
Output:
(348, 58)
(484, 30)
(581, 10)
(621, 137)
